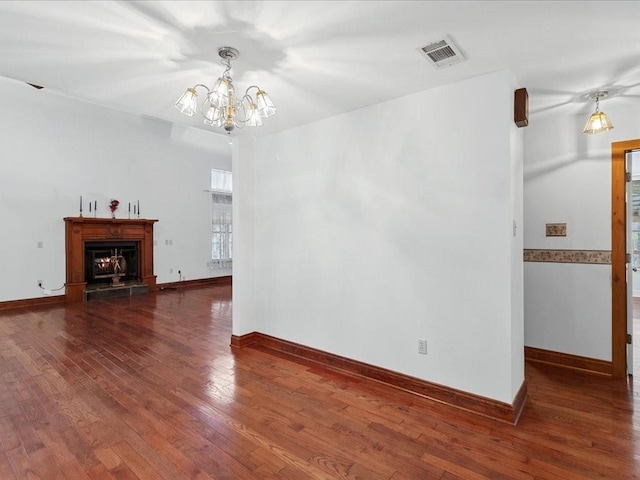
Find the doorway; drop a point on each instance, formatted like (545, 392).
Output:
(622, 262)
(633, 247)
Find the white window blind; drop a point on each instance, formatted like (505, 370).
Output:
(221, 181)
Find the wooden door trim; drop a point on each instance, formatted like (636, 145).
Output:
(618, 256)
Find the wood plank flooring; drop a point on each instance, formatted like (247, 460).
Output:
(148, 388)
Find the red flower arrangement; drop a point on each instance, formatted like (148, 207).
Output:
(113, 205)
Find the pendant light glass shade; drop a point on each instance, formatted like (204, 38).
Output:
(265, 105)
(598, 122)
(253, 115)
(187, 102)
(221, 92)
(214, 116)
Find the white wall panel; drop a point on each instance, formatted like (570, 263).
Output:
(393, 223)
(574, 303)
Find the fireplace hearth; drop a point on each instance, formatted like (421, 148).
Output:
(108, 257)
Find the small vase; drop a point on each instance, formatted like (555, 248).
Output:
(113, 214)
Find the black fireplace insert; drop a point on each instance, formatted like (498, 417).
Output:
(111, 262)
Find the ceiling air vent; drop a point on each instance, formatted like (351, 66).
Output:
(442, 53)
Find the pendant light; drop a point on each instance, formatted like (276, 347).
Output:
(598, 122)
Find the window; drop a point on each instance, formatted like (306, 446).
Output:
(221, 181)
(221, 220)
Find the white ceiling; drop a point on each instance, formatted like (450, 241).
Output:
(318, 58)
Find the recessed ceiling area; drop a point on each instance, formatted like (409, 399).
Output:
(317, 59)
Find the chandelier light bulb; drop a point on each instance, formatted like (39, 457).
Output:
(221, 107)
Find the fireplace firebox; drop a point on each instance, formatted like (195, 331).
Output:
(108, 251)
(110, 262)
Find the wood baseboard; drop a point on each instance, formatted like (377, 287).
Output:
(244, 340)
(200, 282)
(591, 366)
(33, 302)
(61, 299)
(486, 407)
(518, 402)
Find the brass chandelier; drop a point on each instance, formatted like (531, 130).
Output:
(222, 108)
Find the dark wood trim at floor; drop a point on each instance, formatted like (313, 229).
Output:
(197, 283)
(244, 340)
(591, 366)
(519, 401)
(53, 300)
(486, 407)
(33, 302)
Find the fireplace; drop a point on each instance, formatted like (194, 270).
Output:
(108, 252)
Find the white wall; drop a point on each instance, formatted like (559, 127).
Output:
(244, 279)
(393, 223)
(55, 149)
(568, 180)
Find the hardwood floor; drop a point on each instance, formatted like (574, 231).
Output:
(148, 388)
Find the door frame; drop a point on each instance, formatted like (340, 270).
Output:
(618, 255)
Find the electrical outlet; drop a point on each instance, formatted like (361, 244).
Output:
(422, 346)
(171, 270)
